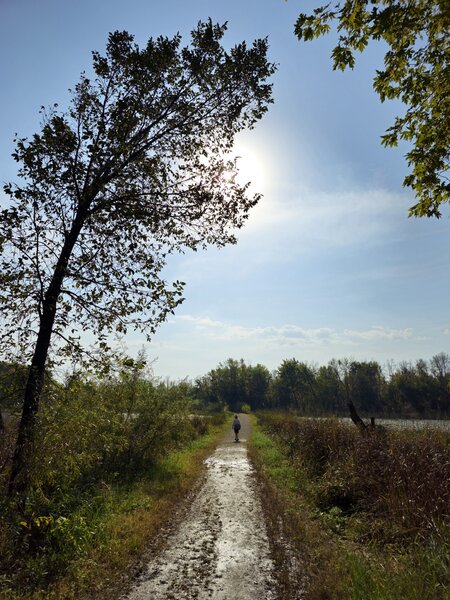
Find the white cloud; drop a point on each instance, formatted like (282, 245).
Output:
(294, 224)
(292, 335)
(200, 322)
(380, 333)
(333, 219)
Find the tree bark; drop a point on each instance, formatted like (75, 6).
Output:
(19, 476)
(356, 418)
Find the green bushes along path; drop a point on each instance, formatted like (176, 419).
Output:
(112, 459)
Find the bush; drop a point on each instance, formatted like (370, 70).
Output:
(93, 432)
(399, 478)
(200, 424)
(90, 434)
(218, 418)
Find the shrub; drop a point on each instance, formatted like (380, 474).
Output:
(90, 434)
(400, 478)
(218, 418)
(200, 424)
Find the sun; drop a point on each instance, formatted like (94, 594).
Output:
(250, 168)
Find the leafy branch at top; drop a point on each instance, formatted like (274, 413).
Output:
(416, 71)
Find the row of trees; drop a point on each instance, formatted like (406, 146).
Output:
(420, 389)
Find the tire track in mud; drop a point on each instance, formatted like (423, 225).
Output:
(220, 551)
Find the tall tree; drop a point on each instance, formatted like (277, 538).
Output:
(440, 368)
(295, 385)
(413, 391)
(257, 385)
(365, 381)
(229, 383)
(134, 170)
(330, 390)
(416, 71)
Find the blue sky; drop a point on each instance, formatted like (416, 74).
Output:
(329, 264)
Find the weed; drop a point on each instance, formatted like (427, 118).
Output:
(378, 504)
(103, 481)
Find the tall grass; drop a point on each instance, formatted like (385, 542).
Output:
(383, 499)
(400, 477)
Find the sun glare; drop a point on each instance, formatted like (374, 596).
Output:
(250, 169)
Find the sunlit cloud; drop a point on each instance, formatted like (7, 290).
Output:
(290, 335)
(303, 224)
(380, 333)
(331, 218)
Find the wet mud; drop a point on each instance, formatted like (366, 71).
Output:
(220, 550)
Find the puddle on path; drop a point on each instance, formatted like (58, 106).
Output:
(220, 551)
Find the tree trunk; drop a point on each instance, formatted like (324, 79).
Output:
(2, 424)
(356, 418)
(19, 477)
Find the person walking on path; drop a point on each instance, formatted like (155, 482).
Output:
(236, 427)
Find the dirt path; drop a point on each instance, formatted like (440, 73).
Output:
(220, 551)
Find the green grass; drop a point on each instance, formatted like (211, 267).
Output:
(416, 574)
(276, 465)
(299, 547)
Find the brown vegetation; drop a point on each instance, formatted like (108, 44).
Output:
(401, 477)
(356, 516)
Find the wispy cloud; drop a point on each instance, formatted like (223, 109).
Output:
(380, 333)
(331, 218)
(291, 335)
(304, 224)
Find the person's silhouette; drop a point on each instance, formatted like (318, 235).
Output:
(236, 427)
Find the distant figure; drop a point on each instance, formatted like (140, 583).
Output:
(236, 426)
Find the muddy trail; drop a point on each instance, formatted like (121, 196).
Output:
(220, 549)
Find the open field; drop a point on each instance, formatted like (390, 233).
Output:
(441, 424)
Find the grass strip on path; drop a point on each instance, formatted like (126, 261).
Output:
(302, 552)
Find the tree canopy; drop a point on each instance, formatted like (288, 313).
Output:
(416, 71)
(417, 390)
(134, 170)
(234, 384)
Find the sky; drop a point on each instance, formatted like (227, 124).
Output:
(328, 265)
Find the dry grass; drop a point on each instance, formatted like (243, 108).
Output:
(402, 477)
(368, 516)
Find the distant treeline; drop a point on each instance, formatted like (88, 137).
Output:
(408, 390)
(420, 389)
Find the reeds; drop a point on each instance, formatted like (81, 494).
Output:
(401, 478)
(363, 516)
